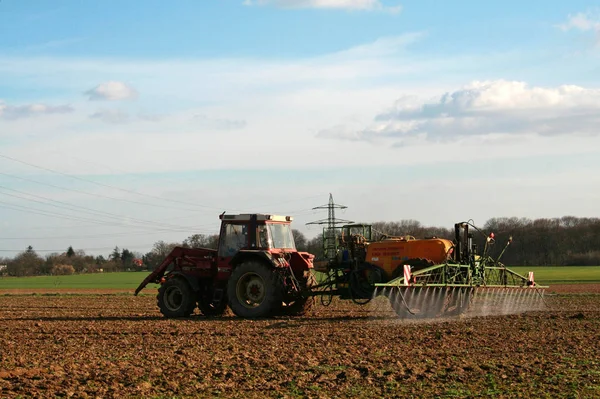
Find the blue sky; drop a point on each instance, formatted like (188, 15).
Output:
(168, 113)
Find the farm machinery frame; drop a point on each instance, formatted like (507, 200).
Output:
(258, 272)
(425, 278)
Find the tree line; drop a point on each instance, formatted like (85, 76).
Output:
(558, 241)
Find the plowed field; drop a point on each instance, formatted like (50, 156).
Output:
(106, 346)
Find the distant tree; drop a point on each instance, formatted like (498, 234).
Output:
(315, 246)
(159, 251)
(162, 248)
(300, 240)
(70, 251)
(115, 255)
(27, 263)
(201, 241)
(127, 258)
(100, 260)
(62, 270)
(151, 260)
(112, 266)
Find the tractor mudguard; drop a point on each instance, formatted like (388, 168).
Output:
(244, 254)
(193, 282)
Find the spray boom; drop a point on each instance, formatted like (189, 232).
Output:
(506, 246)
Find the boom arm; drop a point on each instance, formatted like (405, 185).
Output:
(192, 255)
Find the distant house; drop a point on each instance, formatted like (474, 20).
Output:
(3, 269)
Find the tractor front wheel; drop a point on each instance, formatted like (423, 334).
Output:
(254, 290)
(176, 298)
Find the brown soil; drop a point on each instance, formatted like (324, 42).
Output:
(120, 346)
(591, 288)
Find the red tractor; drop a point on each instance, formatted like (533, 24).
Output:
(256, 271)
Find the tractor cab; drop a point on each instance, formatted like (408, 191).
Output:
(255, 232)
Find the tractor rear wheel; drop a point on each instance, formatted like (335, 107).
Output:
(254, 290)
(176, 298)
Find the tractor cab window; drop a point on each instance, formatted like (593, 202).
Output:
(263, 236)
(236, 238)
(281, 236)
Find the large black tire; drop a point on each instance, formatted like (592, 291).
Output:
(303, 305)
(254, 290)
(176, 298)
(209, 308)
(362, 283)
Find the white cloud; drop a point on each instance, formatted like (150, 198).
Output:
(269, 102)
(223, 79)
(25, 111)
(112, 91)
(588, 21)
(486, 108)
(113, 116)
(219, 123)
(382, 47)
(365, 5)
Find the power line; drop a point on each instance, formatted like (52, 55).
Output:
(97, 195)
(26, 209)
(35, 211)
(82, 249)
(289, 201)
(122, 234)
(84, 209)
(75, 217)
(206, 207)
(105, 185)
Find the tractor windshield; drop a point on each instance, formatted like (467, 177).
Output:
(281, 236)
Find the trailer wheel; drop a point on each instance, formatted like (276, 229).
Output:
(254, 290)
(176, 298)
